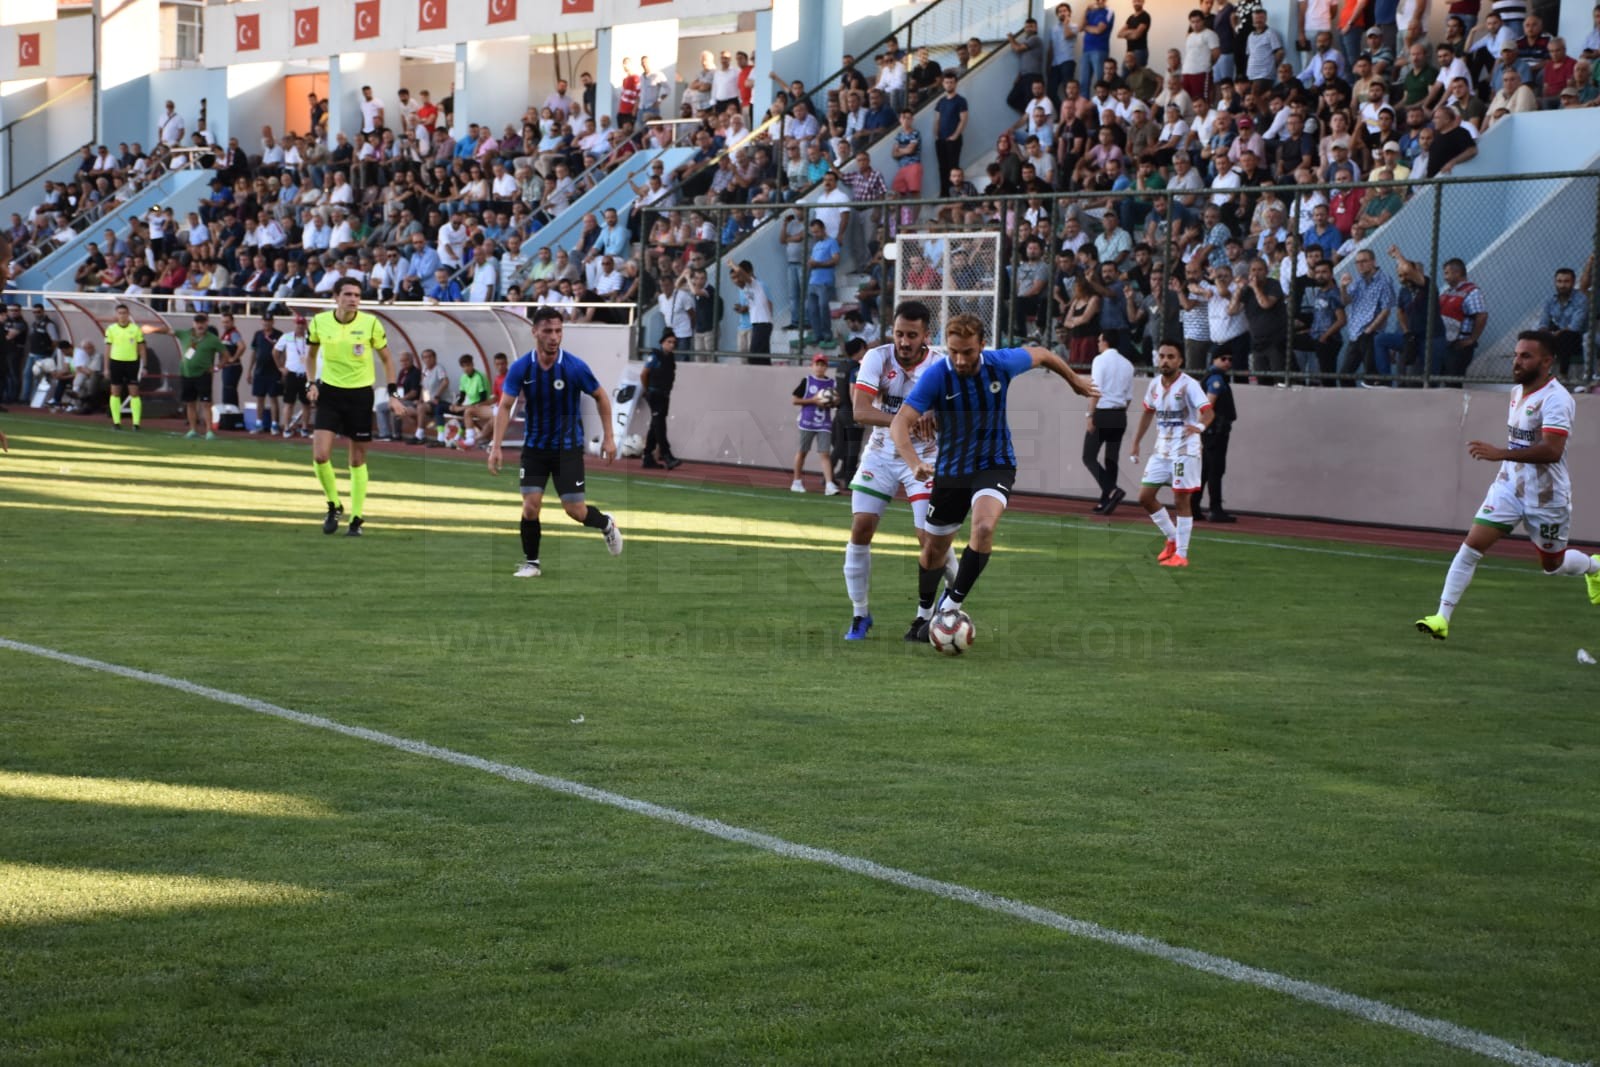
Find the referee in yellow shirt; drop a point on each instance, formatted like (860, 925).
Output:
(345, 339)
(126, 353)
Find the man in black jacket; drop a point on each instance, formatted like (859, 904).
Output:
(659, 374)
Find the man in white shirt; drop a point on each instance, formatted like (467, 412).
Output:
(452, 241)
(342, 192)
(608, 280)
(371, 111)
(514, 264)
(653, 89)
(725, 83)
(170, 127)
(1107, 422)
(485, 284)
(834, 217)
(342, 236)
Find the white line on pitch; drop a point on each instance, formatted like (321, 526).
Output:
(1374, 1011)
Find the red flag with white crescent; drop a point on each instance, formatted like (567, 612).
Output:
(367, 25)
(502, 11)
(431, 15)
(305, 26)
(28, 50)
(577, 7)
(246, 33)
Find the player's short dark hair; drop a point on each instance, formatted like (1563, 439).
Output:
(915, 310)
(119, 307)
(1455, 261)
(1543, 338)
(854, 347)
(466, 360)
(344, 283)
(1167, 342)
(544, 314)
(1568, 271)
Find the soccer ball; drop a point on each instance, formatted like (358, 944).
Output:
(594, 446)
(951, 632)
(826, 398)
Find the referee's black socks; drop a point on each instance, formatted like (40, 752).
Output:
(530, 540)
(596, 519)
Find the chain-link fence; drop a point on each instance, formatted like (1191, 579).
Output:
(1398, 283)
(952, 273)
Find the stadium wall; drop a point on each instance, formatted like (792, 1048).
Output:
(1378, 456)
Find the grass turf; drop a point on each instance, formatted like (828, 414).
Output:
(1256, 757)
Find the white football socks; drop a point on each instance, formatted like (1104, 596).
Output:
(951, 566)
(1457, 579)
(858, 575)
(1163, 523)
(1574, 563)
(1185, 529)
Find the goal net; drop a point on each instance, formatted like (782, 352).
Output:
(954, 274)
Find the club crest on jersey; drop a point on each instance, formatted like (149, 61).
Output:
(994, 387)
(559, 383)
(866, 476)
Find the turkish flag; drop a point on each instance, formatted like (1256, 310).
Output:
(366, 19)
(647, 3)
(28, 50)
(305, 26)
(431, 14)
(502, 11)
(577, 7)
(246, 33)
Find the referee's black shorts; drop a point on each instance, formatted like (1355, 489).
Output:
(953, 496)
(563, 465)
(124, 371)
(346, 412)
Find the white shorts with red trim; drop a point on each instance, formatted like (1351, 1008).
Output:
(1180, 472)
(1503, 509)
(881, 473)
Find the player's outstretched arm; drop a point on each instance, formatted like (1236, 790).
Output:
(608, 443)
(900, 433)
(1043, 357)
(502, 417)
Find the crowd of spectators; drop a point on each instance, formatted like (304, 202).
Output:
(1225, 132)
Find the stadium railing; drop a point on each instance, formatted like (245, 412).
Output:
(1512, 233)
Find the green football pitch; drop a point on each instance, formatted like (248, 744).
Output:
(653, 810)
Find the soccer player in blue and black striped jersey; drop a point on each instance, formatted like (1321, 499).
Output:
(551, 382)
(976, 465)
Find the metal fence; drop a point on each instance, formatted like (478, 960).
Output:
(1457, 267)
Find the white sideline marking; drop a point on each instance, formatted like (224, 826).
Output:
(1445, 1033)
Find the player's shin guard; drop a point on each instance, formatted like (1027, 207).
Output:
(325, 477)
(927, 589)
(1457, 579)
(358, 489)
(1163, 523)
(972, 564)
(530, 540)
(595, 519)
(1575, 563)
(858, 575)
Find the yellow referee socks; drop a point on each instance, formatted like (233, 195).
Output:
(138, 408)
(329, 487)
(358, 489)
